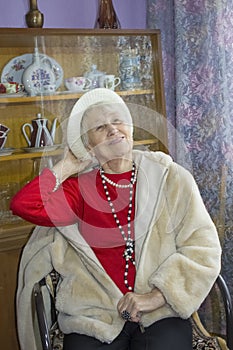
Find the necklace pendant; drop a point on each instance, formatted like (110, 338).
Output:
(129, 249)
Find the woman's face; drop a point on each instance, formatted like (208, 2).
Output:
(109, 132)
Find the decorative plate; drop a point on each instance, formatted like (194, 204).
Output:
(13, 71)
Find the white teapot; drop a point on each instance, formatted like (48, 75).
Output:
(94, 75)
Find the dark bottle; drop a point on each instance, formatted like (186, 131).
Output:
(107, 17)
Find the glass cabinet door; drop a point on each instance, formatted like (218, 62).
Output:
(45, 71)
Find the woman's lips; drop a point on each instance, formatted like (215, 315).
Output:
(116, 140)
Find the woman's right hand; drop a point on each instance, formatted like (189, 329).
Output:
(69, 165)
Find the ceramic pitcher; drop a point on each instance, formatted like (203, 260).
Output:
(3, 134)
(40, 135)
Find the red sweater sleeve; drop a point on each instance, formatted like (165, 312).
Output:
(36, 202)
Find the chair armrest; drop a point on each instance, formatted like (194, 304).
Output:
(41, 316)
(228, 310)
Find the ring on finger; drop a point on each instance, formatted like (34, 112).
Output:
(126, 315)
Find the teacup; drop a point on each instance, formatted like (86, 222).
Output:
(109, 81)
(78, 84)
(10, 88)
(3, 135)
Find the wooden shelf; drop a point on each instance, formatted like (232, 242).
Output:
(64, 96)
(27, 155)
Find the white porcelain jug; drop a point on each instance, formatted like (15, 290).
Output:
(38, 75)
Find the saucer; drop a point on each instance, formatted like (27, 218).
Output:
(6, 151)
(77, 91)
(68, 92)
(41, 149)
(13, 94)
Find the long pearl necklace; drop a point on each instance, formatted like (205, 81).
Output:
(129, 243)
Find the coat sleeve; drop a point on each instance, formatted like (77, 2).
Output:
(187, 274)
(37, 203)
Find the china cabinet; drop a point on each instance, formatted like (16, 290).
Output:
(134, 56)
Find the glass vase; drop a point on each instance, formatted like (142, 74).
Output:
(107, 17)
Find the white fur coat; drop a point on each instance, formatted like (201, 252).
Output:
(177, 251)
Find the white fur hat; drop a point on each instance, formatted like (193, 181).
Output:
(74, 123)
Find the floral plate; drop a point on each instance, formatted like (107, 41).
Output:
(14, 69)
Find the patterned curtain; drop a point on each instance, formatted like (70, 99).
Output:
(197, 45)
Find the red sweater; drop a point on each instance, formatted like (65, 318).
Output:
(82, 200)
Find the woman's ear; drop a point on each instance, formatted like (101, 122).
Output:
(90, 150)
(92, 153)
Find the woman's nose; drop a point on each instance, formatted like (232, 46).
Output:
(112, 129)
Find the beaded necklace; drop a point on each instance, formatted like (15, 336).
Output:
(129, 243)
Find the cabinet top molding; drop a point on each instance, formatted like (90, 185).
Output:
(20, 37)
(78, 31)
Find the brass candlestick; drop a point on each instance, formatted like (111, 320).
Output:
(34, 18)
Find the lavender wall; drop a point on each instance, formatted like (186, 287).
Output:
(72, 13)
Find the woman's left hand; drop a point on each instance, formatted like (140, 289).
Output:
(136, 304)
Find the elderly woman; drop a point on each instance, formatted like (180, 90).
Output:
(126, 230)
